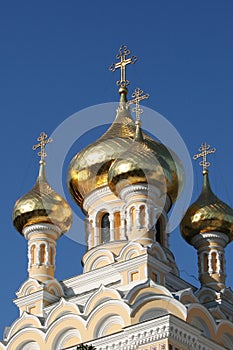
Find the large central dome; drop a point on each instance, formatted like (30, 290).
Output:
(89, 168)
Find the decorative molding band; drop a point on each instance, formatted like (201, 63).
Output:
(42, 228)
(202, 237)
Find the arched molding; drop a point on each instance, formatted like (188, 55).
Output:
(55, 286)
(129, 249)
(99, 297)
(23, 322)
(149, 289)
(199, 315)
(187, 297)
(29, 346)
(164, 302)
(206, 293)
(225, 334)
(64, 338)
(107, 325)
(96, 257)
(28, 287)
(63, 324)
(157, 252)
(105, 310)
(25, 336)
(63, 308)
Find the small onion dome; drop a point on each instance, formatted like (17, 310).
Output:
(89, 168)
(207, 214)
(139, 164)
(42, 205)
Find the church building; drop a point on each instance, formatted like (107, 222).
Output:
(130, 294)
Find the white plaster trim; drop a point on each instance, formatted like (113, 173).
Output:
(41, 228)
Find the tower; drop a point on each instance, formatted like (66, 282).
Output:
(41, 216)
(208, 226)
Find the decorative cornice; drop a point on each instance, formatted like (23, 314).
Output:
(35, 297)
(42, 228)
(156, 330)
(202, 237)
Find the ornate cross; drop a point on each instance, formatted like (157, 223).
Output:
(123, 52)
(137, 98)
(43, 140)
(204, 151)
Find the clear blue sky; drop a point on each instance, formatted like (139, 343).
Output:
(54, 62)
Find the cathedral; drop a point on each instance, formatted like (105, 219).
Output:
(130, 294)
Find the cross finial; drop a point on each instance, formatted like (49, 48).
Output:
(204, 151)
(137, 98)
(43, 140)
(123, 52)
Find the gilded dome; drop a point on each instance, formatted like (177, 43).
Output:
(42, 205)
(139, 164)
(89, 168)
(207, 214)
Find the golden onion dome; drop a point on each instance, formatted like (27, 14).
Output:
(42, 205)
(89, 168)
(207, 214)
(139, 164)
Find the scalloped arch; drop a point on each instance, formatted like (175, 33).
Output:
(108, 309)
(102, 256)
(64, 324)
(199, 315)
(129, 249)
(151, 289)
(20, 323)
(172, 306)
(63, 308)
(99, 297)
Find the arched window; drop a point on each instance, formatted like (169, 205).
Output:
(105, 228)
(42, 253)
(159, 232)
(33, 254)
(143, 216)
(205, 262)
(51, 255)
(214, 261)
(133, 216)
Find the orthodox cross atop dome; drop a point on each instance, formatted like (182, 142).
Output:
(124, 61)
(43, 141)
(204, 151)
(137, 98)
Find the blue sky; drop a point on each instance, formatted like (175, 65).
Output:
(54, 62)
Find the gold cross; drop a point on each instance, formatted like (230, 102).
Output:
(43, 140)
(123, 52)
(137, 98)
(204, 151)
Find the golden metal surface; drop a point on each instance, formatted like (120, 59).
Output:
(204, 151)
(42, 204)
(43, 141)
(207, 214)
(124, 61)
(89, 168)
(137, 98)
(138, 165)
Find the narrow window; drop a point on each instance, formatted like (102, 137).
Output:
(42, 253)
(105, 228)
(33, 254)
(205, 263)
(214, 262)
(159, 233)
